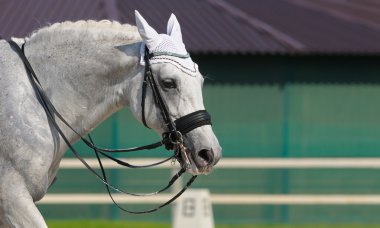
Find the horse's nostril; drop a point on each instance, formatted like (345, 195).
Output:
(206, 155)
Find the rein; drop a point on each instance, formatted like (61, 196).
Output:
(172, 139)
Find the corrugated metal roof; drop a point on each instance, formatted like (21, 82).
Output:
(204, 28)
(21, 17)
(323, 26)
(223, 26)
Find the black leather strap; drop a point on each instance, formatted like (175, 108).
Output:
(51, 113)
(156, 95)
(143, 94)
(184, 124)
(193, 120)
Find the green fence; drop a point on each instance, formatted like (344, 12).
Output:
(298, 120)
(295, 120)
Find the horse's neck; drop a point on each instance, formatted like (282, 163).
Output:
(86, 80)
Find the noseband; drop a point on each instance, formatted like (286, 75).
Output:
(172, 138)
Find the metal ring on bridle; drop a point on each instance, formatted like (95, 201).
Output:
(178, 137)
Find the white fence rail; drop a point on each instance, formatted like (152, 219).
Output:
(237, 199)
(247, 163)
(225, 199)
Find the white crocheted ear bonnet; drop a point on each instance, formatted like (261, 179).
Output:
(165, 48)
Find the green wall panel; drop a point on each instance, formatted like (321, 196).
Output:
(262, 106)
(247, 119)
(333, 120)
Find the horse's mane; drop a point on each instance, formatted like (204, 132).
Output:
(86, 29)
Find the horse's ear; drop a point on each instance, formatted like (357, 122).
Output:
(174, 29)
(147, 33)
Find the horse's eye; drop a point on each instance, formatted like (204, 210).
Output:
(169, 83)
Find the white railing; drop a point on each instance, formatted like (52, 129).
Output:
(238, 199)
(249, 163)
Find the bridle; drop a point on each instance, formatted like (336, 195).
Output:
(172, 138)
(181, 126)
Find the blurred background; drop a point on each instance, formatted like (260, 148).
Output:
(293, 89)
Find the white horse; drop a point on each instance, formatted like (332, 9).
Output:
(89, 70)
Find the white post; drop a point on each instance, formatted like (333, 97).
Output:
(193, 210)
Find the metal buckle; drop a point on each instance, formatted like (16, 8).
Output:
(178, 138)
(185, 157)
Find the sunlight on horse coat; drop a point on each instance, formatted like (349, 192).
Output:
(89, 70)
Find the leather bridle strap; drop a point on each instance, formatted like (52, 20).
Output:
(51, 112)
(171, 182)
(193, 120)
(185, 123)
(148, 78)
(143, 94)
(49, 106)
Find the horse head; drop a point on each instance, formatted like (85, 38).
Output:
(180, 85)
